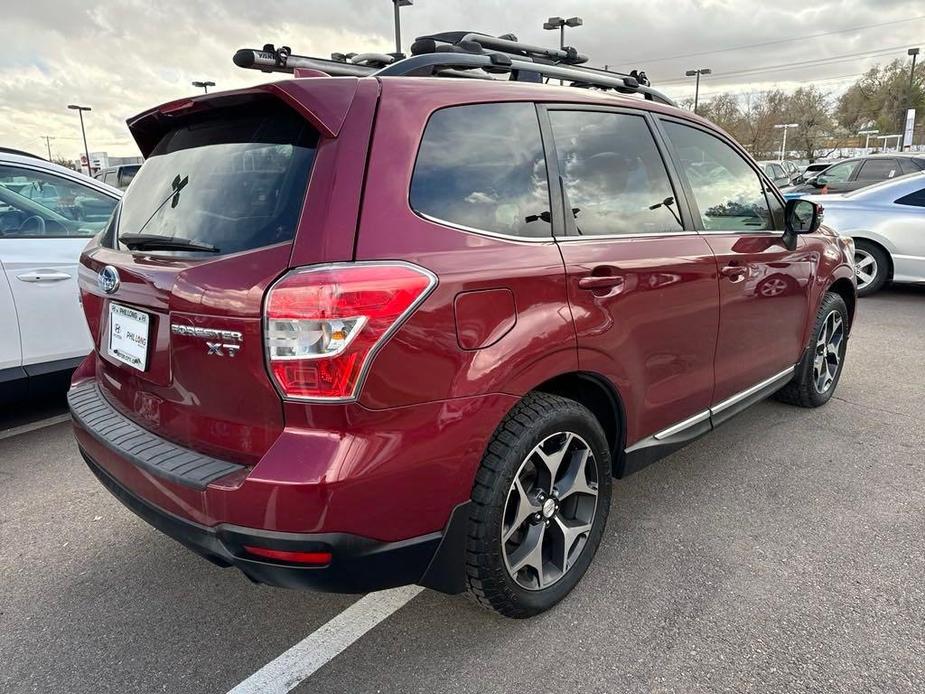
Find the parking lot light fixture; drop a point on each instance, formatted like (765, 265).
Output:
(785, 127)
(559, 23)
(80, 111)
(698, 72)
(868, 133)
(204, 85)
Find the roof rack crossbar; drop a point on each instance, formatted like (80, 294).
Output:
(433, 63)
(457, 54)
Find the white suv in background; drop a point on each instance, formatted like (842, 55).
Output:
(47, 215)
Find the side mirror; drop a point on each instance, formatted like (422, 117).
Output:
(819, 181)
(802, 216)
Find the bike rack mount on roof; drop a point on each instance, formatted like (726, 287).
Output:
(458, 54)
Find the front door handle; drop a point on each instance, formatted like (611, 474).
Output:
(43, 276)
(734, 272)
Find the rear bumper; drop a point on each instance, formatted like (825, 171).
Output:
(358, 564)
(384, 491)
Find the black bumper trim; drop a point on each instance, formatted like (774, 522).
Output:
(157, 455)
(359, 564)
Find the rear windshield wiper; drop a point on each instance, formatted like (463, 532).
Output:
(156, 242)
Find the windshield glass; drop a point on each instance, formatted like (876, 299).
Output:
(233, 179)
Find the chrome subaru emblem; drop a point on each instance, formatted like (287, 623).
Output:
(108, 279)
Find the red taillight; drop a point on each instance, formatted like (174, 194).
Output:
(324, 323)
(308, 558)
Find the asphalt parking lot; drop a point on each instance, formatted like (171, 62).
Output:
(785, 552)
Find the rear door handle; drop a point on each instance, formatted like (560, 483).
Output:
(42, 276)
(600, 281)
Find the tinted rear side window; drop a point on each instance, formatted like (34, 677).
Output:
(483, 167)
(916, 199)
(233, 179)
(878, 169)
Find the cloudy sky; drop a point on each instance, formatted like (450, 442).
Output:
(122, 56)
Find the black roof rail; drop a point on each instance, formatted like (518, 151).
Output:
(457, 54)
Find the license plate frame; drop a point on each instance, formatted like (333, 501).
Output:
(129, 336)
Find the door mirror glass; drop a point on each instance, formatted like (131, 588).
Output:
(803, 216)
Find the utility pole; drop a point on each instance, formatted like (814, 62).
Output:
(397, 4)
(867, 141)
(204, 85)
(785, 127)
(48, 140)
(80, 111)
(698, 72)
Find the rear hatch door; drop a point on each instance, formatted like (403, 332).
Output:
(173, 290)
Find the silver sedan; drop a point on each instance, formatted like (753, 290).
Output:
(887, 222)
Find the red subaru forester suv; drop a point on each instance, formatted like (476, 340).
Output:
(358, 332)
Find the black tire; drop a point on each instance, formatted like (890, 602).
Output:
(881, 258)
(803, 390)
(538, 418)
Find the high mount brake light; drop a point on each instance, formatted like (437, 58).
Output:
(324, 324)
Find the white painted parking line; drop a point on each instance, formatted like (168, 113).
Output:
(41, 424)
(299, 662)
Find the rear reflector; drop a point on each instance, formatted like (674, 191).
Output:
(308, 558)
(325, 323)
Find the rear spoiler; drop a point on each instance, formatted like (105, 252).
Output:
(324, 103)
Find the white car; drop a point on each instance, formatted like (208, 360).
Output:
(47, 215)
(887, 222)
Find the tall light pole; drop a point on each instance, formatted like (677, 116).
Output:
(868, 133)
(913, 52)
(397, 4)
(80, 111)
(204, 85)
(698, 72)
(785, 127)
(554, 23)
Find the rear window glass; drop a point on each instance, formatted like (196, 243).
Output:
(482, 167)
(231, 181)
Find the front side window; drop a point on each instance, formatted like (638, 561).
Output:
(839, 173)
(37, 203)
(613, 173)
(482, 167)
(728, 192)
(878, 169)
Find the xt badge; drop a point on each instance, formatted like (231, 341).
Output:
(227, 342)
(219, 349)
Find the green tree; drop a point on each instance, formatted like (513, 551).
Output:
(880, 98)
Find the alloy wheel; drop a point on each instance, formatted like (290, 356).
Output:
(549, 511)
(828, 352)
(865, 267)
